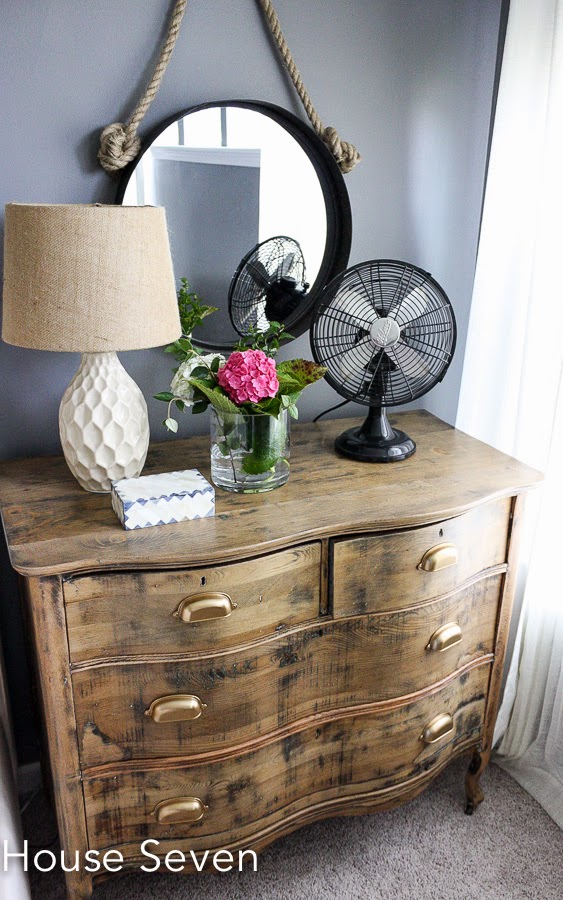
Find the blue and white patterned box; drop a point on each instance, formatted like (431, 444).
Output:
(162, 499)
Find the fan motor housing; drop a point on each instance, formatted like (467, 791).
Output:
(385, 332)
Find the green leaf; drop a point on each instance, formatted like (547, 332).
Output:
(200, 372)
(303, 371)
(215, 365)
(200, 406)
(254, 464)
(268, 440)
(182, 349)
(268, 340)
(180, 404)
(192, 310)
(171, 424)
(216, 397)
(293, 411)
(164, 395)
(287, 384)
(270, 407)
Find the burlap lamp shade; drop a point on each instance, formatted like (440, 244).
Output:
(94, 279)
(88, 278)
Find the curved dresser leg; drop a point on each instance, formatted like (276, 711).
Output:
(473, 790)
(79, 885)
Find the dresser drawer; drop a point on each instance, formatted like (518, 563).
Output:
(191, 610)
(236, 796)
(380, 572)
(181, 708)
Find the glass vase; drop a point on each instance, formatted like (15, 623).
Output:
(249, 453)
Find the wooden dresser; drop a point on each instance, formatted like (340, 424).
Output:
(324, 649)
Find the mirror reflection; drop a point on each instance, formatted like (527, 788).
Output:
(230, 179)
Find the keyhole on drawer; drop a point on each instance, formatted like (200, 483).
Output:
(203, 581)
(441, 532)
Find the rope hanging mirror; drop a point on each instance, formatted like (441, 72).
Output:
(120, 143)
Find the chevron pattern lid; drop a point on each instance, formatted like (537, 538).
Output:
(162, 499)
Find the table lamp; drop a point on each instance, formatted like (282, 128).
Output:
(94, 279)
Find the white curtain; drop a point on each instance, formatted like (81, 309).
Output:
(511, 393)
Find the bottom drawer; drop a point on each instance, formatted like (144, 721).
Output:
(238, 796)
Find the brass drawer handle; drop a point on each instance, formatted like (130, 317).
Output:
(207, 605)
(439, 557)
(438, 728)
(181, 809)
(176, 708)
(447, 636)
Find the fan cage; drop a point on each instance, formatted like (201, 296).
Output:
(347, 309)
(261, 268)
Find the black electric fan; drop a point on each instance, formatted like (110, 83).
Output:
(268, 285)
(386, 332)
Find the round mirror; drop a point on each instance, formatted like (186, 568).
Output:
(233, 175)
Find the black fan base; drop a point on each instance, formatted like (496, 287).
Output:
(375, 440)
(355, 445)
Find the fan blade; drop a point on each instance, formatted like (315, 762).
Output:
(287, 263)
(356, 308)
(262, 321)
(414, 304)
(259, 274)
(411, 362)
(350, 363)
(253, 315)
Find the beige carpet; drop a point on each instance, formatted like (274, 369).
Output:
(425, 850)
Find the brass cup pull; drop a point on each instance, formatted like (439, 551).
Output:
(447, 636)
(176, 708)
(439, 557)
(179, 810)
(207, 605)
(438, 728)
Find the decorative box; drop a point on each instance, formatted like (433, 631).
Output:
(162, 499)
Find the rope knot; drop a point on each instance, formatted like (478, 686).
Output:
(119, 145)
(344, 153)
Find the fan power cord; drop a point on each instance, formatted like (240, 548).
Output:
(332, 408)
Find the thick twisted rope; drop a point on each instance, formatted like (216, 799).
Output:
(119, 143)
(344, 153)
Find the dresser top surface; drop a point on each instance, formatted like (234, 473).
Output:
(54, 527)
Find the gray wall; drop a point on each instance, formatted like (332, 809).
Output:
(409, 82)
(212, 211)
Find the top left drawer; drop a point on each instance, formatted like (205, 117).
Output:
(191, 610)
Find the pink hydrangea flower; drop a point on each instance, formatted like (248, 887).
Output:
(249, 375)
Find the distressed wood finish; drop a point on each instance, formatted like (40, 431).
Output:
(257, 788)
(133, 613)
(45, 617)
(482, 753)
(313, 695)
(54, 528)
(379, 572)
(269, 686)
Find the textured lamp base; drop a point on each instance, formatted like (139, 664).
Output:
(103, 423)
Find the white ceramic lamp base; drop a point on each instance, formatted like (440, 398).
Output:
(103, 423)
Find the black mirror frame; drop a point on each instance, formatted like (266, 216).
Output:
(337, 202)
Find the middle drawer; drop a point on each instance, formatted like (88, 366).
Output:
(207, 703)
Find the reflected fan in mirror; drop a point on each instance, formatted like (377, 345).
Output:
(233, 175)
(268, 285)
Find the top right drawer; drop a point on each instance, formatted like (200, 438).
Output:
(395, 570)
